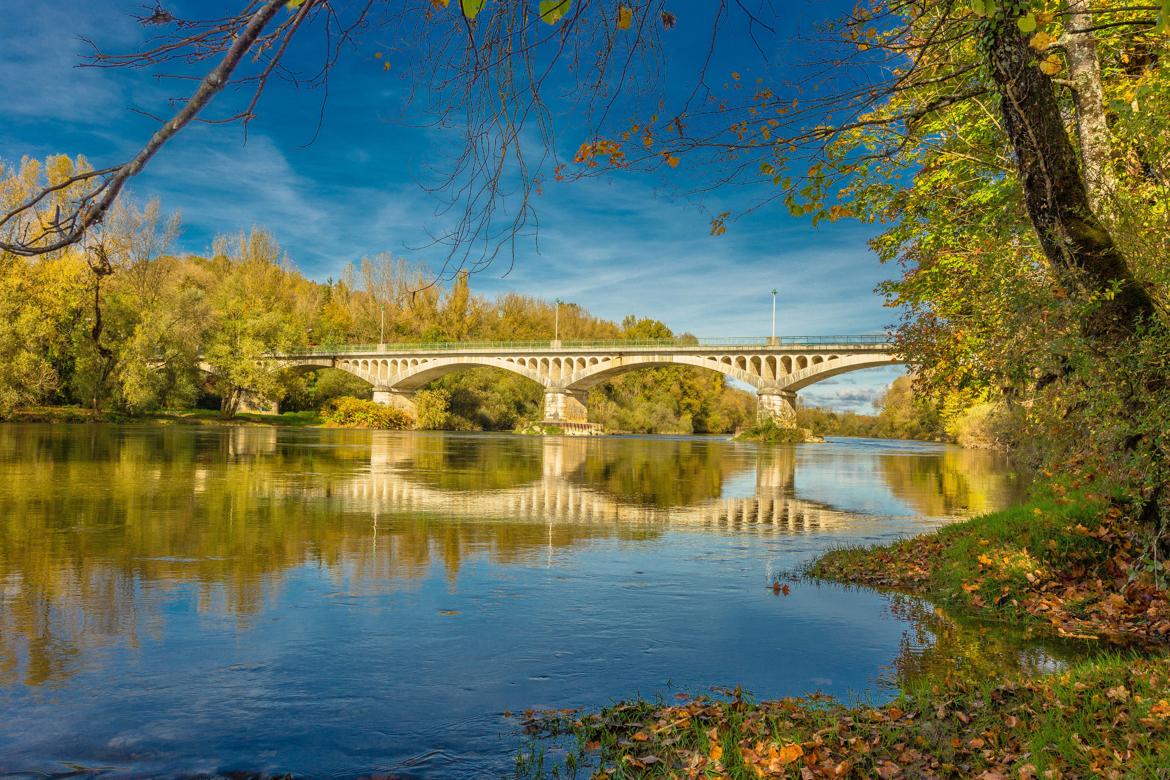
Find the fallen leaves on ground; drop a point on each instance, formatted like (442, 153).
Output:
(1103, 590)
(1110, 719)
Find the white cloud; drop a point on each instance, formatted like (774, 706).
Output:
(39, 61)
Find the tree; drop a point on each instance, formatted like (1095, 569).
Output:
(255, 312)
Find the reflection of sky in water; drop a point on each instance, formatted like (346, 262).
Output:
(741, 484)
(849, 476)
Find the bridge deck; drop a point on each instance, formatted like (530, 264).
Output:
(868, 342)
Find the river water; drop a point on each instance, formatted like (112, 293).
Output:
(199, 599)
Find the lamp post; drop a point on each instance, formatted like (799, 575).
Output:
(382, 330)
(557, 325)
(773, 339)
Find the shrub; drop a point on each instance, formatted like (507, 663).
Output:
(433, 408)
(350, 412)
(769, 432)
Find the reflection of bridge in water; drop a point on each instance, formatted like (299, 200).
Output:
(561, 495)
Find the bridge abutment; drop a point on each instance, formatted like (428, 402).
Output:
(562, 405)
(397, 399)
(779, 406)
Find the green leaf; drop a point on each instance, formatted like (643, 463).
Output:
(293, 5)
(1027, 22)
(471, 8)
(551, 11)
(978, 8)
(1164, 18)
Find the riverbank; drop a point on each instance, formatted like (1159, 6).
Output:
(1070, 560)
(1070, 563)
(77, 414)
(1106, 718)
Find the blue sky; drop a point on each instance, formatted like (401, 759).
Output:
(615, 245)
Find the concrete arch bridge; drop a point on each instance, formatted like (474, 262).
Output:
(776, 367)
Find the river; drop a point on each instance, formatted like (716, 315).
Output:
(180, 600)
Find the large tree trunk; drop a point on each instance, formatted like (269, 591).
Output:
(1079, 247)
(1080, 43)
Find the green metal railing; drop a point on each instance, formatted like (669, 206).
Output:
(867, 340)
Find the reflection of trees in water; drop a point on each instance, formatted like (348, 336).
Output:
(98, 518)
(941, 645)
(952, 482)
(659, 472)
(91, 513)
(474, 462)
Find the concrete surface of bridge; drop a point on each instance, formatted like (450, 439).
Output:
(777, 368)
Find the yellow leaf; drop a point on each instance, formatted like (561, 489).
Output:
(625, 17)
(1051, 64)
(471, 8)
(671, 160)
(789, 753)
(716, 752)
(551, 11)
(1041, 41)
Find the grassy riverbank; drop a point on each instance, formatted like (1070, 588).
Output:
(1070, 563)
(1106, 718)
(1070, 559)
(78, 414)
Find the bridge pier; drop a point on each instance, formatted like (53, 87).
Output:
(562, 405)
(779, 406)
(397, 399)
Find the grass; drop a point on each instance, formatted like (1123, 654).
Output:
(1104, 718)
(293, 419)
(768, 432)
(1070, 559)
(76, 414)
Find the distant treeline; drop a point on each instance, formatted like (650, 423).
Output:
(123, 322)
(901, 415)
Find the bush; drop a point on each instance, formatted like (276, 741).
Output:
(349, 412)
(433, 408)
(769, 432)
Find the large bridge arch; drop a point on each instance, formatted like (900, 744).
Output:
(585, 379)
(817, 372)
(413, 377)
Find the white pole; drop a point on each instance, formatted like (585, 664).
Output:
(382, 332)
(557, 322)
(774, 291)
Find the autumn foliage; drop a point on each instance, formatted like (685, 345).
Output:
(1074, 562)
(1110, 719)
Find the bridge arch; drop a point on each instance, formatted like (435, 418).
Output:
(818, 370)
(364, 369)
(417, 374)
(581, 380)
